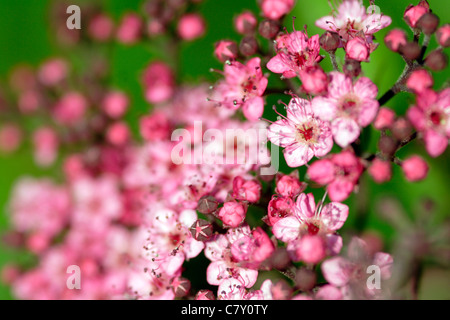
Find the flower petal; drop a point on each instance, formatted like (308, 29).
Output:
(334, 215)
(297, 155)
(345, 131)
(287, 229)
(337, 271)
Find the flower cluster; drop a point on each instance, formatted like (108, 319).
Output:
(136, 202)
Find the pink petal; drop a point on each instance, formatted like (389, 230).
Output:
(334, 244)
(321, 171)
(365, 88)
(248, 277)
(329, 292)
(277, 65)
(417, 118)
(286, 229)
(253, 109)
(281, 134)
(326, 23)
(435, 143)
(216, 272)
(297, 155)
(334, 215)
(324, 108)
(340, 189)
(368, 112)
(324, 145)
(337, 271)
(339, 85)
(385, 262)
(376, 22)
(345, 131)
(305, 206)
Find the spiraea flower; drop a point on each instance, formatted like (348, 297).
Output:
(295, 52)
(351, 18)
(347, 106)
(243, 87)
(431, 116)
(301, 133)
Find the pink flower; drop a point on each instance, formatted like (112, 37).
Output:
(301, 133)
(158, 82)
(385, 119)
(101, 27)
(340, 173)
(115, 104)
(243, 87)
(246, 190)
(118, 133)
(395, 39)
(380, 170)
(130, 29)
(347, 106)
(419, 80)
(289, 185)
(307, 219)
(10, 137)
(71, 108)
(232, 213)
(45, 143)
(226, 50)
(431, 116)
(275, 9)
(191, 26)
(279, 208)
(357, 49)
(294, 53)
(314, 80)
(350, 273)
(414, 13)
(351, 18)
(53, 71)
(415, 168)
(155, 126)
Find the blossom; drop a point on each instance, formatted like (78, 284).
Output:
(347, 106)
(415, 168)
(431, 116)
(350, 273)
(275, 9)
(294, 53)
(310, 220)
(243, 87)
(301, 133)
(340, 172)
(351, 18)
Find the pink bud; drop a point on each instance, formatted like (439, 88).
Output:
(311, 249)
(70, 108)
(268, 29)
(226, 50)
(53, 72)
(29, 101)
(191, 26)
(314, 80)
(73, 167)
(278, 208)
(289, 186)
(245, 23)
(414, 13)
(232, 213)
(130, 29)
(246, 190)
(115, 103)
(419, 80)
(330, 41)
(395, 39)
(357, 49)
(101, 27)
(45, 142)
(380, 170)
(443, 35)
(158, 82)
(385, 118)
(37, 243)
(154, 127)
(118, 133)
(155, 28)
(275, 9)
(415, 168)
(205, 295)
(9, 274)
(437, 60)
(10, 138)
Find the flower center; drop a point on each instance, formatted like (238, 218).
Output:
(313, 228)
(435, 118)
(305, 132)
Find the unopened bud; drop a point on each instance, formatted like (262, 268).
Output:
(395, 39)
(437, 60)
(248, 46)
(380, 170)
(181, 287)
(443, 35)
(201, 230)
(428, 23)
(207, 204)
(401, 129)
(245, 23)
(387, 145)
(352, 68)
(385, 118)
(268, 29)
(226, 50)
(410, 51)
(305, 279)
(415, 168)
(329, 41)
(205, 295)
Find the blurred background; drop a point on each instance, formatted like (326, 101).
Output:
(28, 36)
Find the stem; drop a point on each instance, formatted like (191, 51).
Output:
(334, 61)
(426, 41)
(399, 84)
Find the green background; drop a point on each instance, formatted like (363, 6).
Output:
(26, 36)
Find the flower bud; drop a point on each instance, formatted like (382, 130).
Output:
(437, 60)
(385, 119)
(428, 23)
(289, 186)
(329, 41)
(130, 29)
(154, 127)
(387, 145)
(395, 39)
(10, 138)
(443, 35)
(205, 295)
(352, 68)
(159, 82)
(246, 190)
(245, 23)
(305, 279)
(358, 49)
(232, 214)
(310, 249)
(181, 286)
(191, 26)
(201, 230)
(115, 103)
(101, 27)
(226, 50)
(415, 168)
(268, 29)
(414, 13)
(401, 129)
(275, 9)
(118, 133)
(248, 46)
(380, 170)
(45, 144)
(278, 208)
(410, 50)
(207, 204)
(419, 80)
